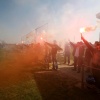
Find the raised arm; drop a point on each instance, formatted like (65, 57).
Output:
(49, 44)
(72, 44)
(59, 48)
(87, 44)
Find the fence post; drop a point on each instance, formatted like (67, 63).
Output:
(82, 77)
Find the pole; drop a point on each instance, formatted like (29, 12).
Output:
(35, 35)
(41, 26)
(82, 77)
(82, 74)
(99, 36)
(47, 33)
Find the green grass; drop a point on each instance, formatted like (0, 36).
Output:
(23, 91)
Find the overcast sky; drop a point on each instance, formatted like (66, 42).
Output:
(64, 18)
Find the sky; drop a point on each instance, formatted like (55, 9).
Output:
(64, 19)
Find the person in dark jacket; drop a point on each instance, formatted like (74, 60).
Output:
(54, 49)
(80, 58)
(88, 57)
(67, 53)
(95, 62)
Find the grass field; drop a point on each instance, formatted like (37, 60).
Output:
(22, 80)
(22, 91)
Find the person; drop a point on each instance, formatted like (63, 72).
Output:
(53, 54)
(80, 57)
(75, 53)
(78, 52)
(95, 62)
(67, 53)
(47, 57)
(88, 57)
(54, 49)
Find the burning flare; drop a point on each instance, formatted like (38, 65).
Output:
(82, 30)
(87, 29)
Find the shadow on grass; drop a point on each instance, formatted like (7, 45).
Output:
(55, 85)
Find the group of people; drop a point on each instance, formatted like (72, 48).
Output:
(78, 54)
(94, 60)
(83, 52)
